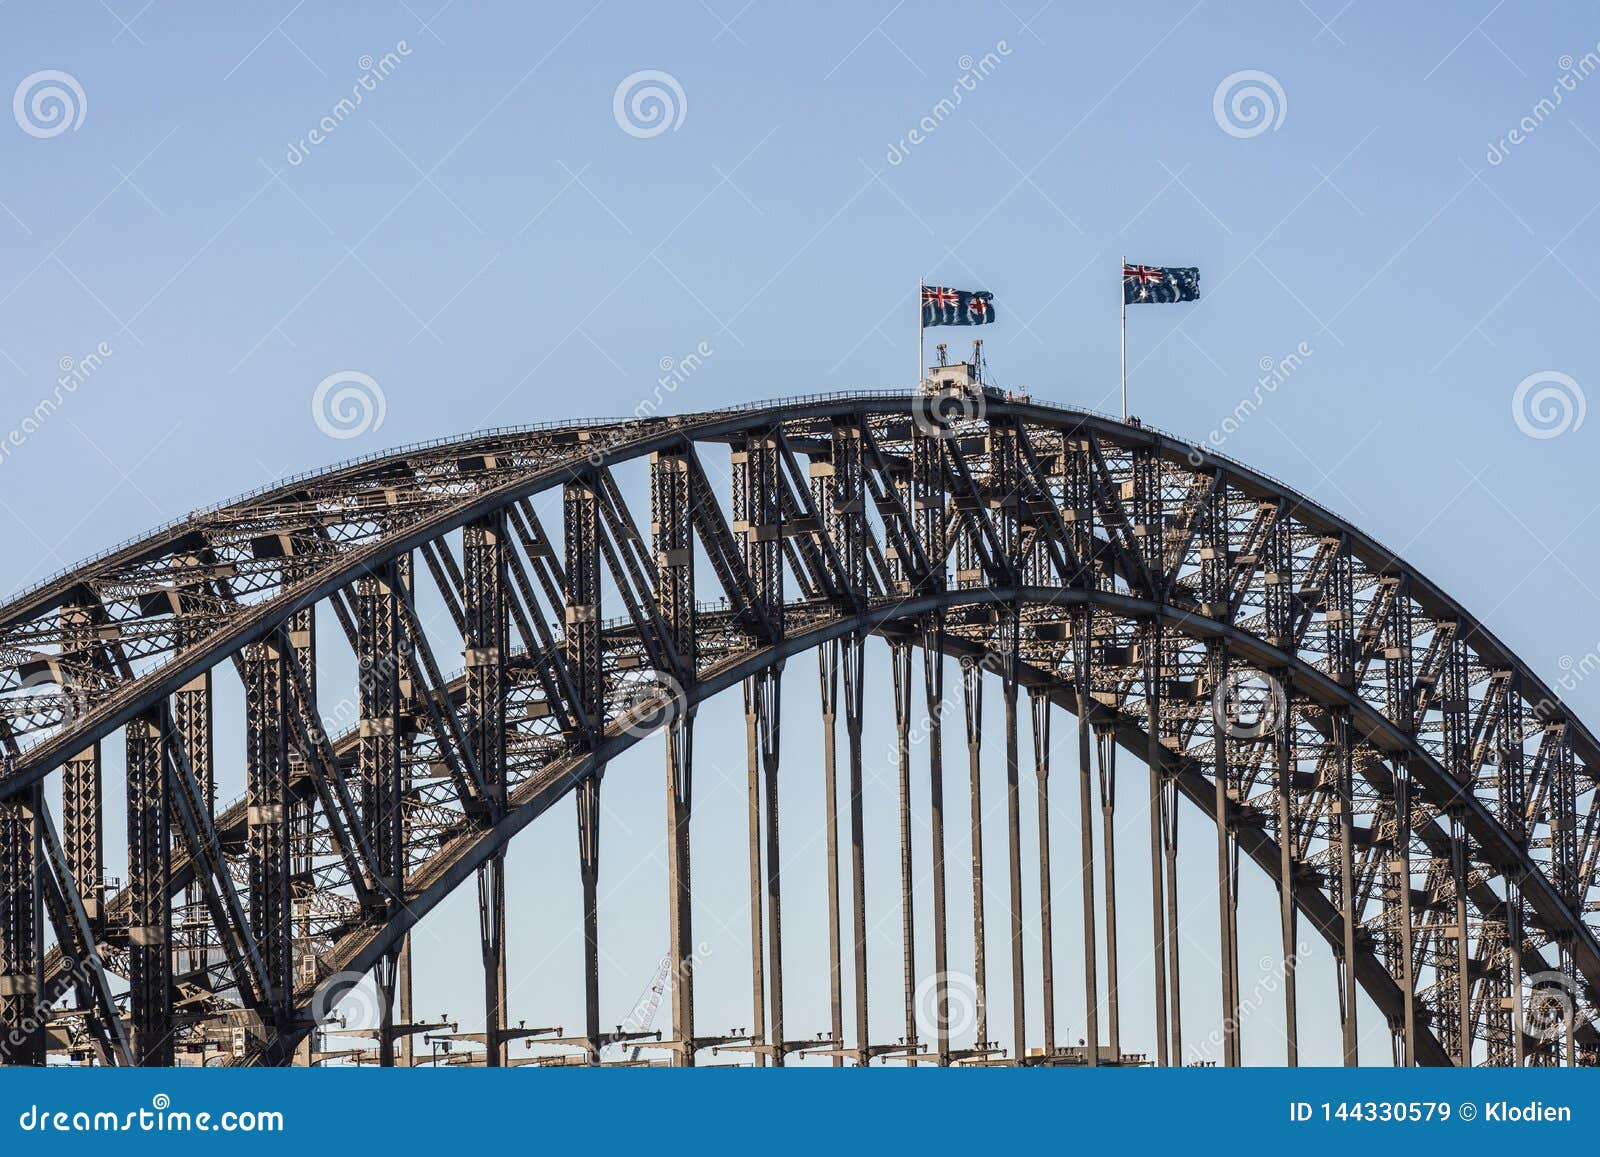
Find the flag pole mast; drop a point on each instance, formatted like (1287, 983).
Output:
(922, 288)
(1124, 293)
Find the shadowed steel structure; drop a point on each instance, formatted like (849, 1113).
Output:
(1420, 798)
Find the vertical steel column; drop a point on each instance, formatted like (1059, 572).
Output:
(828, 686)
(267, 766)
(758, 975)
(485, 640)
(680, 895)
(379, 764)
(581, 645)
(672, 533)
(854, 671)
(900, 664)
(1107, 742)
(1463, 948)
(81, 794)
(933, 687)
(1344, 756)
(23, 1019)
(757, 492)
(1084, 697)
(150, 915)
(1227, 878)
(81, 782)
(769, 729)
(1169, 843)
(191, 716)
(839, 489)
(1400, 868)
(972, 700)
(588, 806)
(1039, 705)
(1019, 992)
(1286, 759)
(1152, 698)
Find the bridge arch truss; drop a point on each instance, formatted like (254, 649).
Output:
(1421, 799)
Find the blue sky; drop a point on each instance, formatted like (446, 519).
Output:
(484, 239)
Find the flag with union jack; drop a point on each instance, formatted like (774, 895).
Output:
(1158, 284)
(956, 306)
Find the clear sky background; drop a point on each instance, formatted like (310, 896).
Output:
(484, 238)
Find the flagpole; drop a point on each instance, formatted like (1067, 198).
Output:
(1124, 291)
(922, 288)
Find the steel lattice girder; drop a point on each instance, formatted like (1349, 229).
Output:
(1385, 671)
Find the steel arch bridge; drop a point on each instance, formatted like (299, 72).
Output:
(1418, 795)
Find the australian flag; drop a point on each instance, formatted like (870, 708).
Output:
(1158, 284)
(956, 306)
